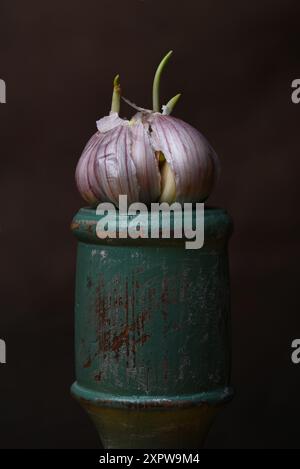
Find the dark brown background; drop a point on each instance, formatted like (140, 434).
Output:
(234, 62)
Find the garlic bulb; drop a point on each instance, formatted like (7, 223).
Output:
(152, 157)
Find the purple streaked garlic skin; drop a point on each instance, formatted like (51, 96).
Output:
(121, 158)
(152, 157)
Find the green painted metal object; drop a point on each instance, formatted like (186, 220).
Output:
(152, 334)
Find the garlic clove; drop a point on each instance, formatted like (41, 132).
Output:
(168, 185)
(86, 175)
(192, 160)
(144, 158)
(116, 168)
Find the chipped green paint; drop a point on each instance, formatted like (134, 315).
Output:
(152, 332)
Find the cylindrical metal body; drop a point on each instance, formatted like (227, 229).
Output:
(152, 334)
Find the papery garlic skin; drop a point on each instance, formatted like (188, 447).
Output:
(121, 158)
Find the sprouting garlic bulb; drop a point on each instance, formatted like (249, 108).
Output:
(152, 157)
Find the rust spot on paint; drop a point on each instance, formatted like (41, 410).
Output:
(124, 338)
(120, 340)
(119, 328)
(88, 363)
(143, 339)
(74, 226)
(118, 300)
(103, 321)
(90, 227)
(106, 335)
(98, 376)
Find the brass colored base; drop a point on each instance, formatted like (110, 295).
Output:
(152, 428)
